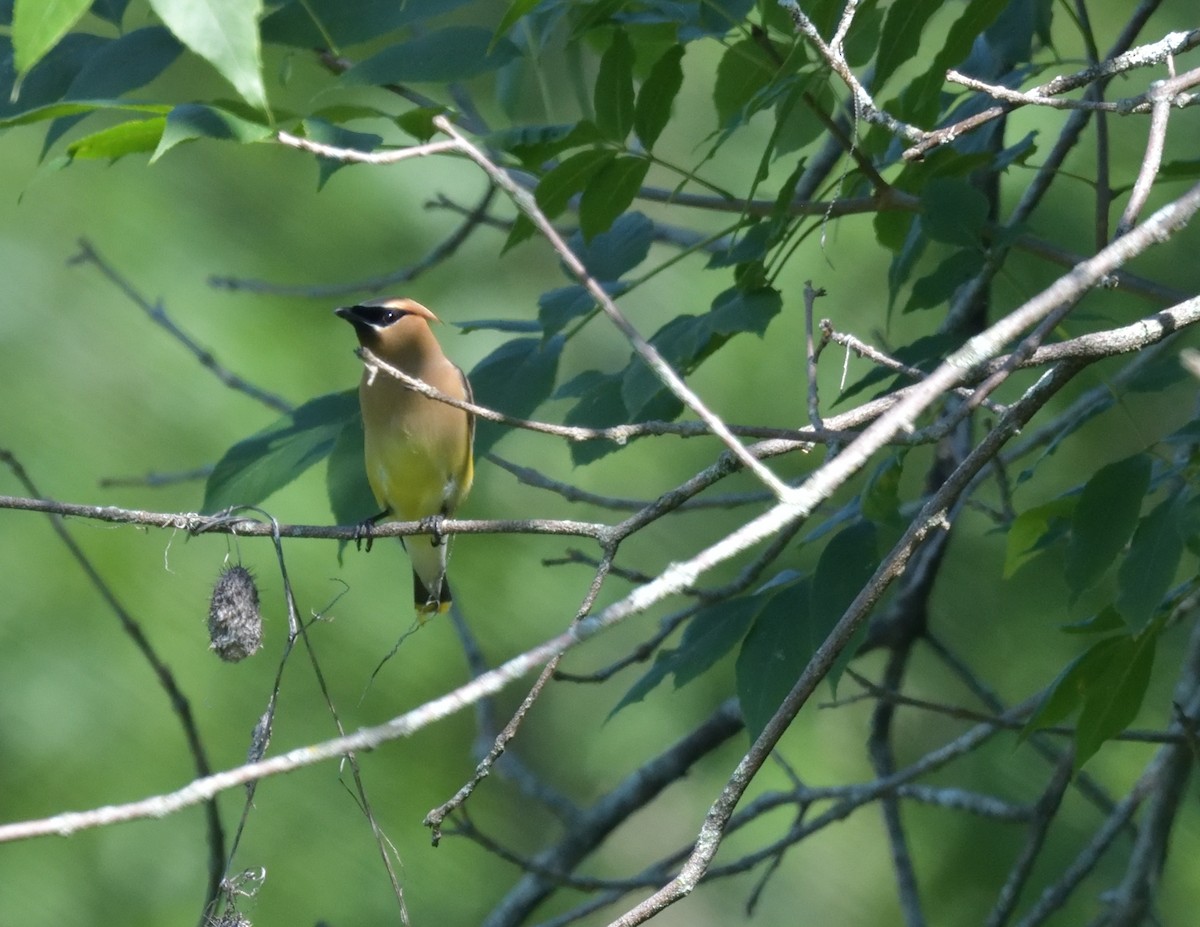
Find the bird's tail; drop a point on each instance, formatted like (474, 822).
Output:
(430, 602)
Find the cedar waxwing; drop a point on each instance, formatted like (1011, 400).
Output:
(418, 450)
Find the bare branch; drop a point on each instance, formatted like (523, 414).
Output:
(158, 314)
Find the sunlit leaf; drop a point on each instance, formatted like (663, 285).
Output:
(224, 33)
(137, 136)
(126, 63)
(38, 25)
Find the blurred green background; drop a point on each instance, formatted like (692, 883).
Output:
(92, 389)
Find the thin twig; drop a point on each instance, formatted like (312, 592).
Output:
(448, 247)
(158, 314)
(166, 678)
(810, 354)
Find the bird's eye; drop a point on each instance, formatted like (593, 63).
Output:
(378, 317)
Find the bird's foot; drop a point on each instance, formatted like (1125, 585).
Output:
(364, 530)
(433, 524)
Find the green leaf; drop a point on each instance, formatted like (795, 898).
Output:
(517, 10)
(112, 11)
(59, 110)
(613, 96)
(975, 19)
(556, 188)
(711, 634)
(522, 326)
(846, 565)
(418, 122)
(119, 66)
(1105, 620)
(1104, 519)
(450, 54)
(1028, 532)
(881, 496)
(743, 71)
(515, 379)
(657, 93)
(773, 655)
(536, 144)
(522, 230)
(953, 211)
(905, 259)
(1066, 693)
(192, 121)
(609, 192)
(751, 245)
(719, 16)
(1113, 694)
(797, 125)
(863, 40)
(925, 353)
(321, 131)
(49, 80)
(936, 288)
(311, 24)
(38, 25)
(600, 406)
(350, 496)
(142, 135)
(1146, 572)
(559, 307)
(257, 466)
(687, 340)
(920, 101)
(224, 33)
(900, 38)
(127, 62)
(611, 254)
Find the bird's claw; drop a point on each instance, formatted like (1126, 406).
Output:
(433, 524)
(364, 531)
